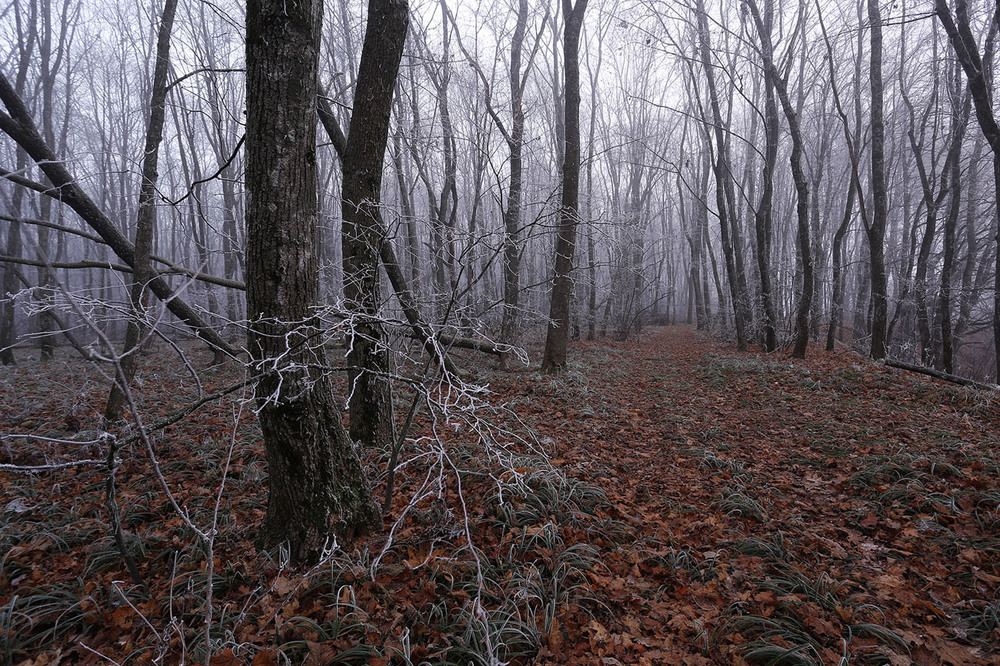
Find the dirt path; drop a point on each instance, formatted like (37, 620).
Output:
(818, 510)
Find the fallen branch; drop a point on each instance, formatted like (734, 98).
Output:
(485, 346)
(954, 379)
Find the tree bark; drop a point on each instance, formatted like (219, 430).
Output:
(880, 198)
(317, 487)
(557, 337)
(363, 235)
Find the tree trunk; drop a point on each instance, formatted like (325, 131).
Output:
(961, 108)
(317, 487)
(11, 283)
(880, 199)
(557, 337)
(763, 219)
(968, 291)
(512, 214)
(728, 224)
(145, 221)
(363, 235)
(391, 265)
(980, 86)
(798, 175)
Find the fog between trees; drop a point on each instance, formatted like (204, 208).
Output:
(690, 208)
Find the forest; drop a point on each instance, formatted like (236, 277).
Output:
(445, 332)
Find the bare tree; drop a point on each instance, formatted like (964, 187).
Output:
(146, 220)
(317, 487)
(557, 338)
(11, 283)
(875, 229)
(724, 196)
(779, 86)
(961, 108)
(363, 233)
(979, 72)
(17, 124)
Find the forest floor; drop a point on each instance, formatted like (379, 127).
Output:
(662, 501)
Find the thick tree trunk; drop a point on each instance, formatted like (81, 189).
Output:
(557, 338)
(317, 487)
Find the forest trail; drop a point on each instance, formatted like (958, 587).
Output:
(811, 505)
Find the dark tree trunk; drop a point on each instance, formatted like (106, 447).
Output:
(798, 175)
(977, 70)
(11, 284)
(880, 198)
(512, 214)
(763, 218)
(145, 221)
(406, 201)
(557, 338)
(837, 300)
(363, 235)
(393, 268)
(729, 226)
(591, 227)
(449, 190)
(961, 108)
(969, 290)
(317, 487)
